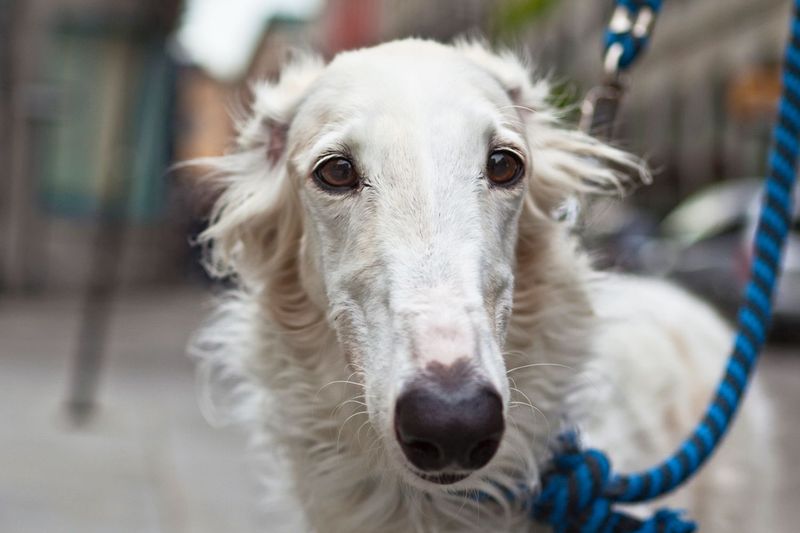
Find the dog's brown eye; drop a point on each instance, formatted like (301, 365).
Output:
(337, 174)
(503, 167)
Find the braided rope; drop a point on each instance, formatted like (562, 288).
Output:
(756, 310)
(629, 31)
(579, 491)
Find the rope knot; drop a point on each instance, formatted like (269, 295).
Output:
(573, 497)
(574, 484)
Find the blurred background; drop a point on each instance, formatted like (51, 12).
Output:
(100, 288)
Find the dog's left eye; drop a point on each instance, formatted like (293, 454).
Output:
(336, 174)
(504, 167)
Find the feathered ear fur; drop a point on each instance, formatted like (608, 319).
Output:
(566, 162)
(254, 224)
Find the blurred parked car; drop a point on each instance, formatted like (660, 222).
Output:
(708, 240)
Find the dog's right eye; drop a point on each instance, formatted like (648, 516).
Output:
(504, 168)
(336, 174)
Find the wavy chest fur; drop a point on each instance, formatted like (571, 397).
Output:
(635, 394)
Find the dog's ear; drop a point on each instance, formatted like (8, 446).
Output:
(255, 224)
(566, 162)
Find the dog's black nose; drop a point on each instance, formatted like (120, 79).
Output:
(439, 425)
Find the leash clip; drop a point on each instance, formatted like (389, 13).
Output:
(600, 108)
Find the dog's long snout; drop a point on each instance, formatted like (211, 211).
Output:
(442, 424)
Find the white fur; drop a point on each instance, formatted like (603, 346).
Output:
(342, 299)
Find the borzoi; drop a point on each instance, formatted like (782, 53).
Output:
(413, 326)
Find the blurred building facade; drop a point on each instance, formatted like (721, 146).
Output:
(88, 92)
(348, 24)
(381, 20)
(702, 97)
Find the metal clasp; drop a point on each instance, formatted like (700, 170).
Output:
(600, 108)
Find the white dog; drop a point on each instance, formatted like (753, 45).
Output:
(413, 325)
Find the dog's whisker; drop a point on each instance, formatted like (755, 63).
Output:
(358, 431)
(533, 365)
(340, 382)
(357, 371)
(515, 353)
(535, 409)
(341, 428)
(374, 450)
(513, 448)
(515, 389)
(355, 399)
(517, 106)
(336, 382)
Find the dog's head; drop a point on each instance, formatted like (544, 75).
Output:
(384, 196)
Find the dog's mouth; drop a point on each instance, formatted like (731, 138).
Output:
(441, 478)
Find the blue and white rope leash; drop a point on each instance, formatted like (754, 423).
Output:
(629, 32)
(579, 491)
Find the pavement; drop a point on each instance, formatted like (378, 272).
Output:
(148, 462)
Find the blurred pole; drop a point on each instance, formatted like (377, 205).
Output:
(144, 71)
(103, 282)
(14, 136)
(98, 306)
(6, 11)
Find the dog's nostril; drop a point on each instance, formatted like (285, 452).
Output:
(482, 453)
(424, 455)
(423, 448)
